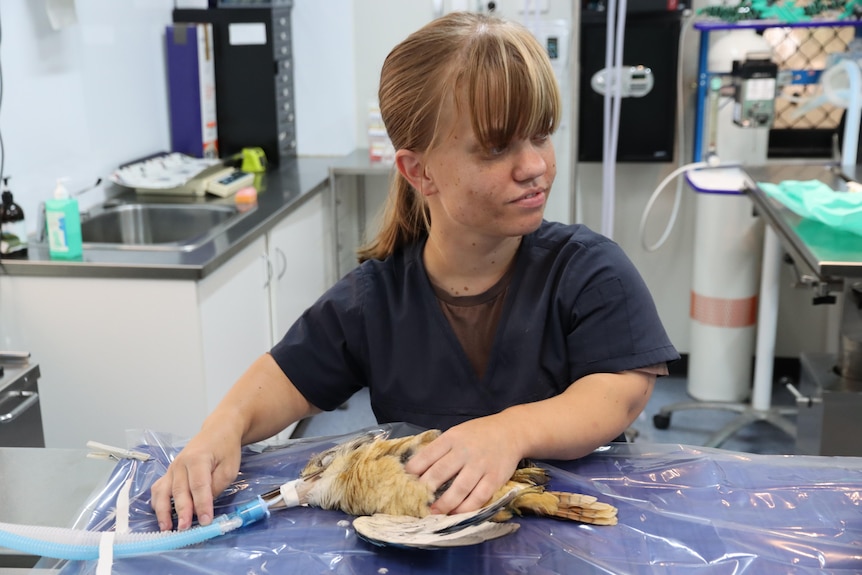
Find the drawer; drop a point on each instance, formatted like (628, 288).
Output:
(21, 414)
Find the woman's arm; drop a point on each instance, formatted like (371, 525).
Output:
(482, 454)
(260, 404)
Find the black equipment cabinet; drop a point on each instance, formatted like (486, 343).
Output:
(647, 124)
(253, 77)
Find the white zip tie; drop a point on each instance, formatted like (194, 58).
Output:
(121, 526)
(121, 521)
(106, 553)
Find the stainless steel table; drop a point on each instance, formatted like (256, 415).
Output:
(829, 255)
(829, 399)
(46, 487)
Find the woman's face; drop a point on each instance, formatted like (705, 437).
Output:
(500, 192)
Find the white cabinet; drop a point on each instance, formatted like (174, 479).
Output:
(129, 354)
(234, 319)
(297, 249)
(119, 354)
(298, 269)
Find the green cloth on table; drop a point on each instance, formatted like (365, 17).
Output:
(815, 200)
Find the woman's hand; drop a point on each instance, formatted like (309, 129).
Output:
(202, 470)
(480, 454)
(260, 404)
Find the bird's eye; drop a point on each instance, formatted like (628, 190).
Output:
(327, 458)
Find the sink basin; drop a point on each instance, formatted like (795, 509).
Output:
(155, 226)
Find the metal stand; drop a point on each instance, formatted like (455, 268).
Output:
(748, 415)
(829, 408)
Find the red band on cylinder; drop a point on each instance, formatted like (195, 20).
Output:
(721, 312)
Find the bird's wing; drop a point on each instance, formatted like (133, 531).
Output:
(436, 530)
(405, 531)
(458, 521)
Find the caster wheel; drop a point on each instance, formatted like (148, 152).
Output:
(661, 421)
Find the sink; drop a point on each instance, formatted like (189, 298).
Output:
(155, 226)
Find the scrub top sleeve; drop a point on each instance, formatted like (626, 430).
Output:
(321, 352)
(614, 322)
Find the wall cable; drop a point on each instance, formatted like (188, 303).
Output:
(680, 137)
(615, 35)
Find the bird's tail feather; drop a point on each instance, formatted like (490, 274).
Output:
(559, 504)
(583, 508)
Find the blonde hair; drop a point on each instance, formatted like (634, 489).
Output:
(508, 88)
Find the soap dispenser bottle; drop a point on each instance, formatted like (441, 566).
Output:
(13, 229)
(63, 221)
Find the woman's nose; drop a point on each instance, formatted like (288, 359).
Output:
(531, 161)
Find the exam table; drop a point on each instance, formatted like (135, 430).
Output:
(682, 510)
(829, 260)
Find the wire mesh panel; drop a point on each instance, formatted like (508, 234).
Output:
(805, 49)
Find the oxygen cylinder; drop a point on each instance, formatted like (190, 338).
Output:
(727, 252)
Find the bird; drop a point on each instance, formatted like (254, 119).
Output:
(365, 476)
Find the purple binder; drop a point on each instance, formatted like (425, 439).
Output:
(191, 89)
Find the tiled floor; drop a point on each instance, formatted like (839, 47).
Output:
(692, 427)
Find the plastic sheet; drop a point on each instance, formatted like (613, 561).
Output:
(682, 510)
(814, 200)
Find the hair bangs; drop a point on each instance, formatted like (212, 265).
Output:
(510, 88)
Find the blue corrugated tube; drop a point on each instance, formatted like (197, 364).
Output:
(76, 544)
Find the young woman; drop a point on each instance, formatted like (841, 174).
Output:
(469, 312)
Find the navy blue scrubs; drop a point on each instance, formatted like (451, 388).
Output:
(576, 305)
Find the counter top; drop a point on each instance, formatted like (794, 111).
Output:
(283, 190)
(46, 487)
(358, 163)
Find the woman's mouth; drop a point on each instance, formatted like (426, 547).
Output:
(531, 200)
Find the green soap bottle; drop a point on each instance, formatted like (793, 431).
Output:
(63, 221)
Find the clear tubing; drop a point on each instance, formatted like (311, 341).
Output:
(73, 544)
(853, 115)
(676, 201)
(607, 161)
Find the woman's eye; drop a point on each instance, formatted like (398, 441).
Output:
(498, 150)
(540, 138)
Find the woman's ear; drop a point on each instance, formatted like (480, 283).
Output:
(411, 165)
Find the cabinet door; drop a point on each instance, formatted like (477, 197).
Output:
(235, 318)
(297, 253)
(114, 354)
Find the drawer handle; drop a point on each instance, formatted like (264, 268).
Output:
(32, 399)
(283, 259)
